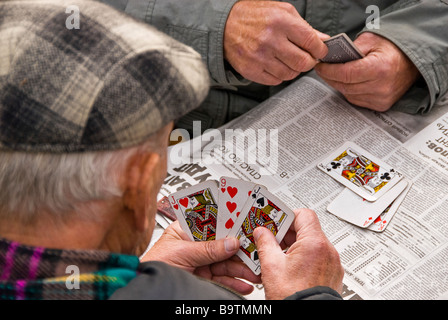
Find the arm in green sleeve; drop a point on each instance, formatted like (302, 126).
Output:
(197, 23)
(420, 29)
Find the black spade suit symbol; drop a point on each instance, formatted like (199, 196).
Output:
(261, 202)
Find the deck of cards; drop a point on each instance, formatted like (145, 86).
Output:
(341, 49)
(374, 190)
(231, 207)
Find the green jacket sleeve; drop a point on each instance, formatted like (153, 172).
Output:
(417, 27)
(159, 281)
(420, 29)
(197, 23)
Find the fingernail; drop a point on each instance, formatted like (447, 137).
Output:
(231, 244)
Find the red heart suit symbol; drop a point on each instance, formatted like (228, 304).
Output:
(231, 206)
(176, 206)
(229, 224)
(232, 191)
(184, 202)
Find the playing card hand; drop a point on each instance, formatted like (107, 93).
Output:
(310, 261)
(269, 42)
(376, 81)
(207, 259)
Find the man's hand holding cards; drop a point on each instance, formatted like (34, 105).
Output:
(231, 207)
(341, 49)
(374, 190)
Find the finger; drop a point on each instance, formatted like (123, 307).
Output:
(351, 72)
(370, 101)
(237, 285)
(269, 251)
(351, 88)
(361, 94)
(175, 231)
(280, 70)
(231, 282)
(366, 42)
(296, 59)
(236, 269)
(305, 37)
(322, 36)
(208, 252)
(266, 79)
(288, 239)
(359, 100)
(306, 222)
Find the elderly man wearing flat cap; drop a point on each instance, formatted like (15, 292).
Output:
(85, 116)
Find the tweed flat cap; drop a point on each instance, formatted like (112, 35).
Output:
(108, 84)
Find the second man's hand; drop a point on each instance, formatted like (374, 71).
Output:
(268, 42)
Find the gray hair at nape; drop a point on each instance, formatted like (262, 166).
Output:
(58, 183)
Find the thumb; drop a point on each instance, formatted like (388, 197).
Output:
(366, 42)
(267, 246)
(322, 36)
(204, 253)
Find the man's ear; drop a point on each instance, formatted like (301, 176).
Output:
(141, 180)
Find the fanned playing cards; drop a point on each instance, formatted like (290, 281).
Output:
(374, 189)
(230, 207)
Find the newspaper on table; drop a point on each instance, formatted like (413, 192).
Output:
(278, 145)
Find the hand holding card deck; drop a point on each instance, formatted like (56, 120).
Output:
(231, 207)
(341, 49)
(374, 190)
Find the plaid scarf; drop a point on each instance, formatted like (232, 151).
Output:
(38, 273)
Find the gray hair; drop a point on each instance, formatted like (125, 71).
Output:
(58, 183)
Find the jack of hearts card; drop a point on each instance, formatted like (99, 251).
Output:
(196, 209)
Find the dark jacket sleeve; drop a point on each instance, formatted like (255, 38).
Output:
(316, 293)
(159, 281)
